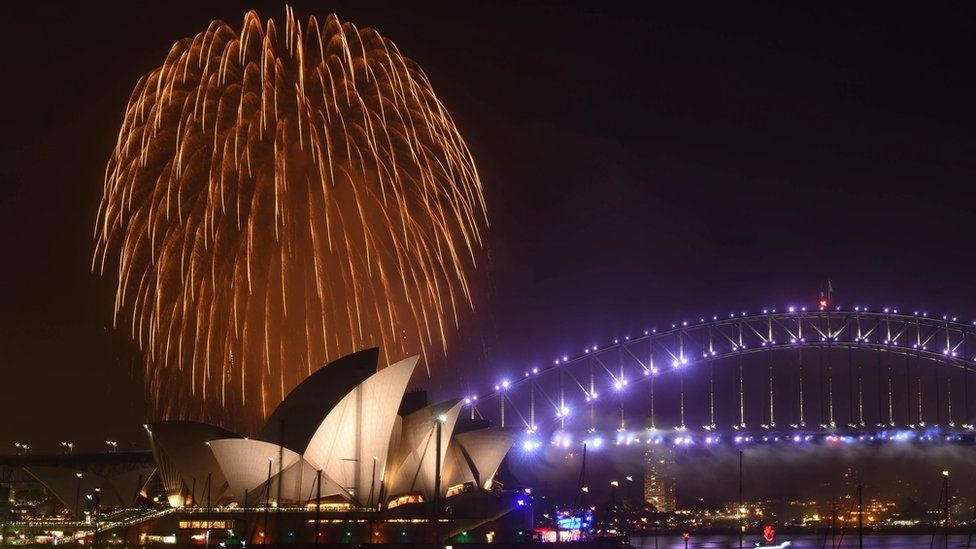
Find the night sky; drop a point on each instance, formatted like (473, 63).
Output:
(640, 167)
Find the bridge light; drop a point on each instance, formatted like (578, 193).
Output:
(467, 400)
(618, 385)
(505, 384)
(792, 309)
(530, 445)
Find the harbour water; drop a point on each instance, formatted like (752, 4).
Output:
(809, 541)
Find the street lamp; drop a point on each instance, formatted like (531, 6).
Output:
(69, 447)
(501, 398)
(113, 445)
(945, 480)
(439, 427)
(77, 509)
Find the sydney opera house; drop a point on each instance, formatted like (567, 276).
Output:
(347, 457)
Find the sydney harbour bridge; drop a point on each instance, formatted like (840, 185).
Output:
(790, 375)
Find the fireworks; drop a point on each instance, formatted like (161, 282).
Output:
(277, 199)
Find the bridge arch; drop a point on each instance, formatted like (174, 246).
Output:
(941, 348)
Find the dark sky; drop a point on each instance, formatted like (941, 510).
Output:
(640, 167)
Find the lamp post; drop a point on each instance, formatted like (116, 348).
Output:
(501, 399)
(267, 502)
(77, 508)
(96, 502)
(741, 505)
(945, 483)
(372, 484)
(69, 447)
(372, 506)
(318, 506)
(439, 427)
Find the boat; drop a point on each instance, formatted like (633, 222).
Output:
(768, 540)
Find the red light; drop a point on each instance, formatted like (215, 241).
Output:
(769, 534)
(686, 535)
(823, 302)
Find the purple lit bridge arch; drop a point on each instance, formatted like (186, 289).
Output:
(799, 373)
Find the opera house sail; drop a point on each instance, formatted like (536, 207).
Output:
(339, 436)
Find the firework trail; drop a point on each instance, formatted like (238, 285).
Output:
(277, 199)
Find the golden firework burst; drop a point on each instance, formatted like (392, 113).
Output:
(277, 199)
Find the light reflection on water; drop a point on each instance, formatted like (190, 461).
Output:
(809, 541)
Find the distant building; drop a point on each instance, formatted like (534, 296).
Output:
(659, 479)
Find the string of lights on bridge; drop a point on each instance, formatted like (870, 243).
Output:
(951, 353)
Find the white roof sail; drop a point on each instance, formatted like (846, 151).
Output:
(185, 461)
(245, 463)
(413, 459)
(359, 429)
(456, 468)
(485, 449)
(298, 485)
